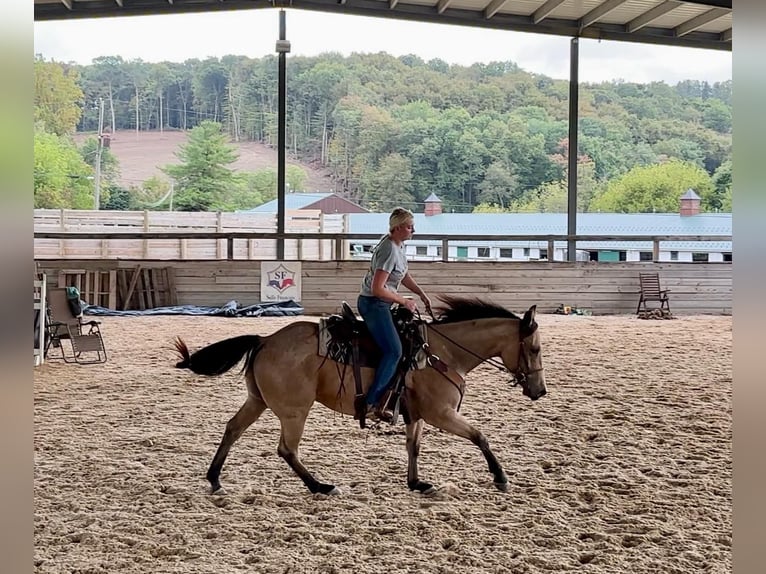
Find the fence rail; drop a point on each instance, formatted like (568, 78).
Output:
(339, 241)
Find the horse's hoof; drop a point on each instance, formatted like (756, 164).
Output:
(430, 491)
(501, 486)
(327, 490)
(219, 491)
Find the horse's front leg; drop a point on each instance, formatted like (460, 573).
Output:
(414, 431)
(455, 423)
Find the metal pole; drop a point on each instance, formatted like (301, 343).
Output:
(97, 198)
(282, 49)
(574, 99)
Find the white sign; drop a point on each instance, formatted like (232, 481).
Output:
(280, 281)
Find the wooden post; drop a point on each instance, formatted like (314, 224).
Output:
(445, 249)
(218, 228)
(321, 230)
(339, 248)
(145, 246)
(63, 228)
(230, 248)
(656, 250)
(112, 289)
(551, 250)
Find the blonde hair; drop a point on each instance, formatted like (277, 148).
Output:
(399, 216)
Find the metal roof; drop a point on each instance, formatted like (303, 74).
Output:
(540, 224)
(292, 201)
(692, 23)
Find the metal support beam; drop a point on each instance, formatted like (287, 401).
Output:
(574, 101)
(543, 11)
(67, 3)
(443, 5)
(119, 3)
(651, 15)
(493, 8)
(281, 137)
(599, 12)
(726, 35)
(699, 21)
(392, 4)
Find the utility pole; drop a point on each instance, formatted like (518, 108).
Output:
(98, 153)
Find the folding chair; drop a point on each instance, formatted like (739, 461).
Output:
(87, 345)
(650, 291)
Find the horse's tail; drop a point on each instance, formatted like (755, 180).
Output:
(219, 357)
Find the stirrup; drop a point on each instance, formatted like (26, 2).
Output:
(380, 414)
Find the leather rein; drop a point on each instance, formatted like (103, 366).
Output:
(518, 376)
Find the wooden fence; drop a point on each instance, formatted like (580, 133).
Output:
(602, 288)
(140, 223)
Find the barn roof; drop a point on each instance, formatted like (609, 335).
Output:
(694, 23)
(539, 224)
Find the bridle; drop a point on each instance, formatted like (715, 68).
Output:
(518, 377)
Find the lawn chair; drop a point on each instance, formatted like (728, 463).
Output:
(87, 345)
(650, 291)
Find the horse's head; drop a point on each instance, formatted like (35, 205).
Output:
(525, 361)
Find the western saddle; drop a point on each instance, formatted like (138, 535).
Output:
(349, 342)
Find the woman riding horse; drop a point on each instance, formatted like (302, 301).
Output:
(285, 373)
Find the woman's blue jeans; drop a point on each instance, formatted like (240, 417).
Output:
(377, 315)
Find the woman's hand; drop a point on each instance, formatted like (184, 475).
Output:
(411, 305)
(427, 303)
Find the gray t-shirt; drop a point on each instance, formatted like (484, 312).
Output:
(389, 257)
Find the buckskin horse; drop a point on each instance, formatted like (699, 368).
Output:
(285, 373)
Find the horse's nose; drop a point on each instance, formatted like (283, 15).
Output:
(542, 393)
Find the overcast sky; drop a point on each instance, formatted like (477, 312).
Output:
(253, 33)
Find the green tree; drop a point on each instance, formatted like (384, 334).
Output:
(203, 178)
(720, 199)
(653, 188)
(550, 197)
(61, 178)
(58, 98)
(499, 186)
(391, 184)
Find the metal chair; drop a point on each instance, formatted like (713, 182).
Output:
(83, 336)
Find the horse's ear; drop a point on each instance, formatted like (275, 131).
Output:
(529, 316)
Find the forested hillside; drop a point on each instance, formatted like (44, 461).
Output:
(393, 130)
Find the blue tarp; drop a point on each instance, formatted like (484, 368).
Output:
(230, 309)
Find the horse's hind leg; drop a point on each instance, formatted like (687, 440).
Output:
(246, 415)
(292, 431)
(453, 422)
(414, 432)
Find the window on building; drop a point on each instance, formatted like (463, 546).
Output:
(623, 256)
(462, 252)
(526, 252)
(674, 255)
(645, 256)
(506, 252)
(421, 250)
(543, 254)
(439, 251)
(700, 257)
(593, 255)
(727, 257)
(482, 252)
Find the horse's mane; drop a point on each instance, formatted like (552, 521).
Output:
(455, 309)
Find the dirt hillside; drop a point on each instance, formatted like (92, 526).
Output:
(142, 155)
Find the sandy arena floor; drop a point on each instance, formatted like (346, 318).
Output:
(624, 467)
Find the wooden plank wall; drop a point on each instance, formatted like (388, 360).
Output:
(603, 288)
(306, 221)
